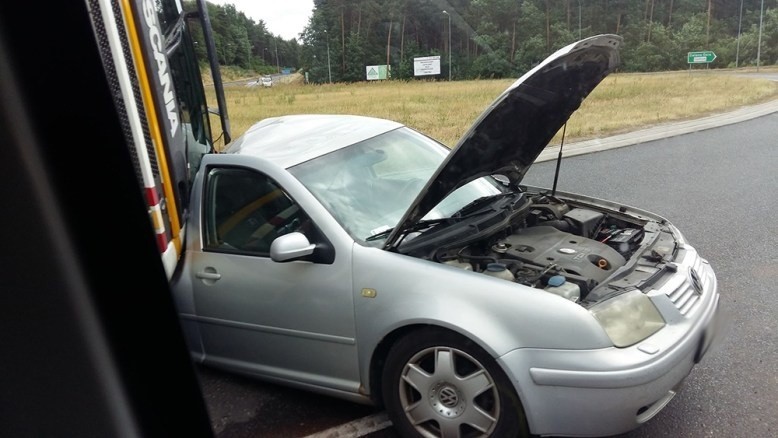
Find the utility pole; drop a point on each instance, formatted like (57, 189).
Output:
(759, 44)
(579, 19)
(329, 68)
(449, 45)
(739, 21)
(278, 64)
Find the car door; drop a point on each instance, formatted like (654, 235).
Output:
(292, 320)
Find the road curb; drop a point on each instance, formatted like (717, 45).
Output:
(659, 132)
(357, 428)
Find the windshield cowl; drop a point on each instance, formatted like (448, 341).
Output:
(480, 206)
(487, 218)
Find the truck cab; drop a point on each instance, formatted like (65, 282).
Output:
(148, 52)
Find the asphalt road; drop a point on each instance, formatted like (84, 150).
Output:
(720, 187)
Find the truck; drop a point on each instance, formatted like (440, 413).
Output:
(148, 53)
(93, 346)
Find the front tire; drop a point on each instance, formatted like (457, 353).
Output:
(439, 384)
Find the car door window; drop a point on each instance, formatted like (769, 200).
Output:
(245, 211)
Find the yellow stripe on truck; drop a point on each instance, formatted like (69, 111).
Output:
(153, 121)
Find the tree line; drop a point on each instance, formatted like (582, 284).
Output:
(244, 43)
(498, 38)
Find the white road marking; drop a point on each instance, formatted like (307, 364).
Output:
(356, 428)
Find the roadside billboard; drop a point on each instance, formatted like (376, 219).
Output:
(426, 65)
(376, 72)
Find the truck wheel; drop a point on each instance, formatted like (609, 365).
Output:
(439, 384)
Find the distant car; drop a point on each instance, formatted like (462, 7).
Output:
(359, 258)
(266, 81)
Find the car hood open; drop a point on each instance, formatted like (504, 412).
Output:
(510, 134)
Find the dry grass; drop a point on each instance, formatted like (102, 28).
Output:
(445, 110)
(628, 102)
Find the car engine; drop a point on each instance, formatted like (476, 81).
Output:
(552, 245)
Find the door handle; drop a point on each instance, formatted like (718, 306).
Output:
(208, 274)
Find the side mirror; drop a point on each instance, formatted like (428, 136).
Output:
(290, 247)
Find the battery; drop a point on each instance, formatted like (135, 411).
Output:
(625, 240)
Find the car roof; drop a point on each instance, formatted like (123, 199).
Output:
(293, 139)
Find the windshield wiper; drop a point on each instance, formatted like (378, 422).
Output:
(479, 203)
(416, 227)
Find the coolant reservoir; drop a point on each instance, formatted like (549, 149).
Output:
(457, 264)
(558, 285)
(500, 271)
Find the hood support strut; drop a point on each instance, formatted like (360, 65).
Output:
(559, 160)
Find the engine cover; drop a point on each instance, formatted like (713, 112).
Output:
(577, 255)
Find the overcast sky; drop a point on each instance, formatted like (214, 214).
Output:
(286, 18)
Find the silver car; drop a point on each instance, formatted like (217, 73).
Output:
(359, 258)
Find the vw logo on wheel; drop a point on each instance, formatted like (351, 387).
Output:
(448, 397)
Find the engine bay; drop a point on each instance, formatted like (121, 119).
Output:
(550, 244)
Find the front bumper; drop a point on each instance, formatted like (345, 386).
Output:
(614, 390)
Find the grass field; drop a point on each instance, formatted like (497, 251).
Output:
(445, 110)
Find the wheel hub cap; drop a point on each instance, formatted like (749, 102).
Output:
(446, 400)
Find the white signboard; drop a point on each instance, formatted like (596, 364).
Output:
(427, 65)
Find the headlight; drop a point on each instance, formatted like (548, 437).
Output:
(628, 318)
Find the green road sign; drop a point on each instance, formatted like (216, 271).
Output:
(700, 57)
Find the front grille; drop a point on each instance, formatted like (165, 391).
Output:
(685, 289)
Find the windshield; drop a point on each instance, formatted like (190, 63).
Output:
(368, 186)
